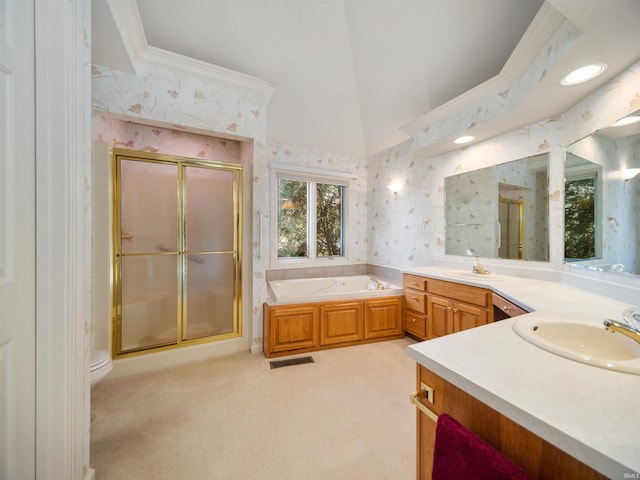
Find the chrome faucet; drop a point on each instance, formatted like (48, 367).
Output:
(479, 268)
(624, 328)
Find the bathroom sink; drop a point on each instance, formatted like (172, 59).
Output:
(583, 342)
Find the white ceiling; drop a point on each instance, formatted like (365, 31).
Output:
(348, 74)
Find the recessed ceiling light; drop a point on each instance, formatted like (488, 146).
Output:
(627, 121)
(583, 74)
(464, 139)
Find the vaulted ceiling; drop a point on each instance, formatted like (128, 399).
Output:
(349, 74)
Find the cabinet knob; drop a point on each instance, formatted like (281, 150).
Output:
(414, 284)
(414, 298)
(455, 310)
(413, 320)
(506, 308)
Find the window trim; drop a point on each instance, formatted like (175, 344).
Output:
(312, 175)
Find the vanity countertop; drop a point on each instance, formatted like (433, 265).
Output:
(589, 412)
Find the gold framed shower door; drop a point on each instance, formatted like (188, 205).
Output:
(177, 251)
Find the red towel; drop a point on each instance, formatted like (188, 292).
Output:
(460, 454)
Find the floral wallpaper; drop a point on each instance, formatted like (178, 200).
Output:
(145, 138)
(388, 229)
(407, 229)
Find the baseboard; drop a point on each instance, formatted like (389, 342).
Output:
(89, 474)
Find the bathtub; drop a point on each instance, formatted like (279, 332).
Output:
(329, 288)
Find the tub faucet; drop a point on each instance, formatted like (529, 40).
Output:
(625, 329)
(379, 284)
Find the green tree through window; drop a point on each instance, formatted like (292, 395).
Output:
(579, 218)
(310, 213)
(329, 220)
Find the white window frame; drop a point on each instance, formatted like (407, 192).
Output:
(313, 175)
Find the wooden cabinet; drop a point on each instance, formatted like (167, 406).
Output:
(341, 323)
(300, 328)
(452, 307)
(415, 299)
(537, 457)
(291, 328)
(436, 307)
(383, 318)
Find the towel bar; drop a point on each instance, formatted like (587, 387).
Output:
(413, 398)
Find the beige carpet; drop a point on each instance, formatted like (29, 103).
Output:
(346, 416)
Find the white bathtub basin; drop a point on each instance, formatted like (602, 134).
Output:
(583, 342)
(329, 288)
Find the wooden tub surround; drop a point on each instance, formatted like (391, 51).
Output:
(305, 327)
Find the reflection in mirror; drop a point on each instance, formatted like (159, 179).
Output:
(602, 200)
(499, 211)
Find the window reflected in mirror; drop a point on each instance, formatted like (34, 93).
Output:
(582, 232)
(602, 200)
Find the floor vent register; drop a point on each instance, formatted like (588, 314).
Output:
(290, 361)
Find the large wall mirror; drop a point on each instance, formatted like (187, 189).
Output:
(499, 211)
(602, 199)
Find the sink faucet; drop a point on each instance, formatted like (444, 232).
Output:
(623, 328)
(479, 268)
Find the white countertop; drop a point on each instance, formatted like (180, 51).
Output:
(589, 412)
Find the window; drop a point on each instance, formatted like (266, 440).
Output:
(581, 216)
(310, 216)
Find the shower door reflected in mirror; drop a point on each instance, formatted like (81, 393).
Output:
(176, 251)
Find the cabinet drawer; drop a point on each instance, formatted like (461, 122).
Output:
(416, 324)
(509, 309)
(415, 282)
(416, 301)
(462, 293)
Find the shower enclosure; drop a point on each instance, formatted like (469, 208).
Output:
(176, 251)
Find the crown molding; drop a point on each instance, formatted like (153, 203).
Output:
(157, 57)
(544, 25)
(546, 22)
(127, 18)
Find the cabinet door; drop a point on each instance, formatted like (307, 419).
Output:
(341, 323)
(439, 321)
(383, 318)
(468, 316)
(293, 328)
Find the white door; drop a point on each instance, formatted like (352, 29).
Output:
(17, 240)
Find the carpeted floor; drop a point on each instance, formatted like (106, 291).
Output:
(345, 416)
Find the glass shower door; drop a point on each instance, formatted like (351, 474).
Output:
(177, 236)
(148, 257)
(210, 252)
